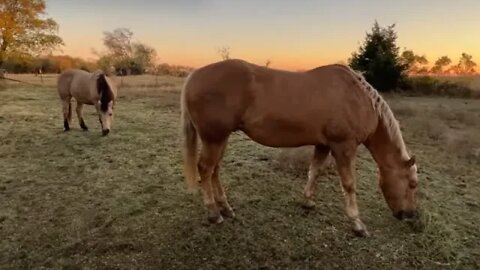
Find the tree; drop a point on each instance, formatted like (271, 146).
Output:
(414, 63)
(465, 65)
(25, 30)
(268, 63)
(378, 59)
(124, 55)
(144, 56)
(224, 53)
(440, 65)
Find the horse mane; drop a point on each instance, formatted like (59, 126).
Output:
(380, 106)
(105, 92)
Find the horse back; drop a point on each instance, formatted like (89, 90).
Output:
(77, 84)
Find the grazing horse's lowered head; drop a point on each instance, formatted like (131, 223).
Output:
(399, 187)
(105, 103)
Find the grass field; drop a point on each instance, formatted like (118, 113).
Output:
(81, 201)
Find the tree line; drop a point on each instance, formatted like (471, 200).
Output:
(28, 38)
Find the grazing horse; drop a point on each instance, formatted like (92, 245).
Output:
(331, 107)
(87, 88)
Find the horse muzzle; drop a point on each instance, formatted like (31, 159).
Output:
(105, 132)
(406, 215)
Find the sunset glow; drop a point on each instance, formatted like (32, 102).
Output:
(292, 34)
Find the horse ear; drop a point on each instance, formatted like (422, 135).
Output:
(409, 163)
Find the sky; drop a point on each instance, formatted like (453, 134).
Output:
(293, 34)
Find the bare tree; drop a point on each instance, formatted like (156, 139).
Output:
(268, 63)
(224, 52)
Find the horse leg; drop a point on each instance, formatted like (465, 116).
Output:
(219, 193)
(97, 108)
(79, 110)
(319, 156)
(210, 155)
(344, 155)
(67, 113)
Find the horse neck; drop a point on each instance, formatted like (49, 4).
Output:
(387, 151)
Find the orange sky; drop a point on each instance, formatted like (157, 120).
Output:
(292, 34)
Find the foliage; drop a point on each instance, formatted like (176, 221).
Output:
(440, 65)
(172, 70)
(432, 86)
(25, 30)
(415, 64)
(465, 65)
(125, 56)
(379, 60)
(46, 64)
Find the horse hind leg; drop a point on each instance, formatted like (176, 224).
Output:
(67, 113)
(344, 155)
(79, 110)
(210, 155)
(319, 157)
(220, 197)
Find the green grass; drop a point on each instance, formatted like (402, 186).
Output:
(81, 201)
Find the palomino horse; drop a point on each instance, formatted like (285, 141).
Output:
(87, 88)
(331, 107)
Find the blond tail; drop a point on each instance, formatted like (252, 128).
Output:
(190, 141)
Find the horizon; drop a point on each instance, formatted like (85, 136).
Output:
(291, 35)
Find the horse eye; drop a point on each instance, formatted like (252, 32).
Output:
(110, 114)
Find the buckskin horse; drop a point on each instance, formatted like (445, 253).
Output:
(331, 107)
(87, 88)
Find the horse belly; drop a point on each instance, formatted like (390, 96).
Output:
(283, 134)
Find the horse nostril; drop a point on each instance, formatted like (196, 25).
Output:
(105, 132)
(411, 214)
(399, 215)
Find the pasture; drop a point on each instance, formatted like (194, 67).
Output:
(77, 200)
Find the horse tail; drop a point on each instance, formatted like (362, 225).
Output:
(190, 142)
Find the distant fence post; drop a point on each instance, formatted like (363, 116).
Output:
(41, 74)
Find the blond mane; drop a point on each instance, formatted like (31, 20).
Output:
(381, 107)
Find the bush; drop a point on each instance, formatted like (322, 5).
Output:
(427, 85)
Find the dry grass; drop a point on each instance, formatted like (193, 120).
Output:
(81, 201)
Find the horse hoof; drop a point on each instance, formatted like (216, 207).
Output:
(309, 205)
(361, 232)
(66, 130)
(227, 212)
(359, 228)
(215, 219)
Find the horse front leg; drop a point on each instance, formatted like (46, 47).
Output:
(79, 110)
(345, 159)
